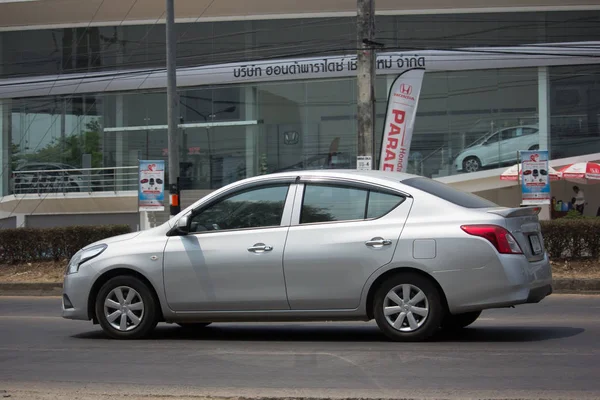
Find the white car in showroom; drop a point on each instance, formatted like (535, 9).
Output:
(498, 148)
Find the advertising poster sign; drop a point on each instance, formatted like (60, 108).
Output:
(151, 186)
(400, 120)
(535, 179)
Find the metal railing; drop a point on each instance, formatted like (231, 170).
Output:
(72, 180)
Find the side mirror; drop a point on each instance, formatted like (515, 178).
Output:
(183, 225)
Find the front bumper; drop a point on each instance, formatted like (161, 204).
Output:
(76, 291)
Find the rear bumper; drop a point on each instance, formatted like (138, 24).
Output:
(538, 294)
(509, 281)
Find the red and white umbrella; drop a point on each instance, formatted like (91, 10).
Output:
(512, 174)
(582, 172)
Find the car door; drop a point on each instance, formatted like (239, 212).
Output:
(490, 152)
(529, 138)
(232, 258)
(340, 234)
(510, 144)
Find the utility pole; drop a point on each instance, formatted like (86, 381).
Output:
(172, 110)
(365, 82)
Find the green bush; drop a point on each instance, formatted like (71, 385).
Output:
(51, 244)
(572, 238)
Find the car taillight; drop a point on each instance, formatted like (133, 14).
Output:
(502, 240)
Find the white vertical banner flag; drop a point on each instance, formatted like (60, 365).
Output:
(400, 120)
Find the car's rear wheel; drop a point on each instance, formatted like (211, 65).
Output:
(534, 147)
(408, 307)
(453, 322)
(126, 308)
(471, 164)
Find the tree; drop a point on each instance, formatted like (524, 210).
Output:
(68, 150)
(15, 157)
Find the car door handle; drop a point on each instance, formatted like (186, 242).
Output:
(259, 248)
(378, 242)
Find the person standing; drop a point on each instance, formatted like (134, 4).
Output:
(579, 199)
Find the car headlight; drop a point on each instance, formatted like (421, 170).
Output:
(84, 255)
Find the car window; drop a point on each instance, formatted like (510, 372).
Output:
(509, 134)
(382, 203)
(529, 131)
(492, 139)
(334, 203)
(31, 168)
(325, 203)
(448, 193)
(254, 208)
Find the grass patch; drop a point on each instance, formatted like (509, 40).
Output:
(34, 272)
(53, 271)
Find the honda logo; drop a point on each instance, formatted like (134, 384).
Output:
(406, 89)
(291, 137)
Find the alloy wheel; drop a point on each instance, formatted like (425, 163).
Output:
(471, 165)
(124, 308)
(406, 308)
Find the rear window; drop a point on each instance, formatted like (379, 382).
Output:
(448, 193)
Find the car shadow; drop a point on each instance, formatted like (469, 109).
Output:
(507, 334)
(345, 333)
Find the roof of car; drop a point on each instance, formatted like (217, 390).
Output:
(349, 174)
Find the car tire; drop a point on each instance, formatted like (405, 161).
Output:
(407, 325)
(454, 322)
(116, 298)
(193, 325)
(471, 164)
(534, 147)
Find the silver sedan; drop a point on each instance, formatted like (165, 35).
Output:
(412, 253)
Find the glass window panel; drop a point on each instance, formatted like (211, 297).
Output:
(49, 51)
(382, 203)
(574, 110)
(256, 208)
(324, 203)
(461, 113)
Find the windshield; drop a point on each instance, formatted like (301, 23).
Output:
(482, 139)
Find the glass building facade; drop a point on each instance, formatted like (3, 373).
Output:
(232, 131)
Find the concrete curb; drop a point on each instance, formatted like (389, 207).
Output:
(30, 289)
(569, 285)
(561, 285)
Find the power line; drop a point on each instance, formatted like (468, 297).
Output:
(346, 21)
(201, 14)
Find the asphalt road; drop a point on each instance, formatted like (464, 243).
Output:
(547, 350)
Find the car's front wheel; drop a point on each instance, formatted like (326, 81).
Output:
(453, 322)
(126, 308)
(408, 307)
(471, 164)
